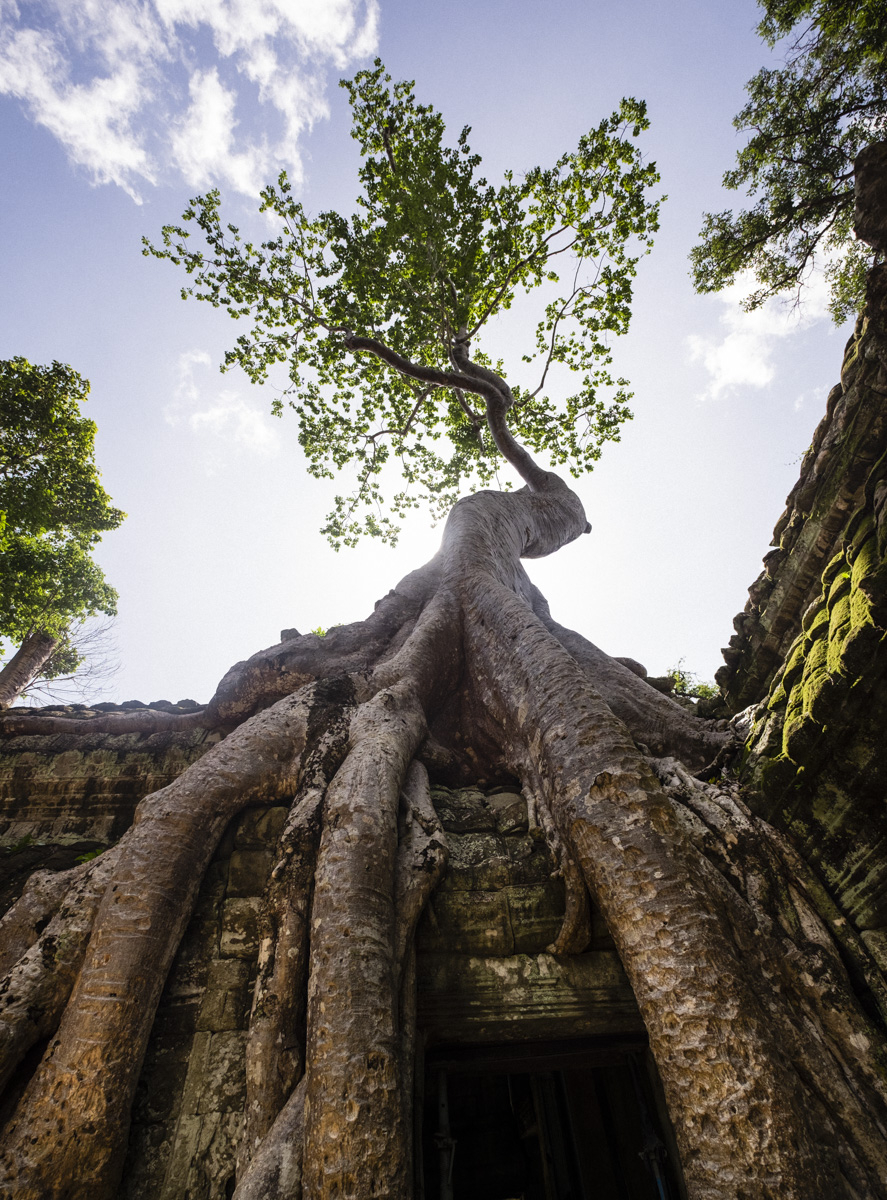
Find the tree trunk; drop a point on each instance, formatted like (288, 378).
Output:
(25, 666)
(772, 1069)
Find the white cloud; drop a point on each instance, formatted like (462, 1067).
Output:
(134, 88)
(743, 357)
(204, 142)
(225, 422)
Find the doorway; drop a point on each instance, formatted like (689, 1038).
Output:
(555, 1121)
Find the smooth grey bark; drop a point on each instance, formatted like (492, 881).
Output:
(25, 665)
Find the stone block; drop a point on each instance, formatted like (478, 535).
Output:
(478, 862)
(466, 923)
(468, 998)
(226, 1002)
(178, 1016)
(223, 1084)
(149, 1149)
(248, 872)
(510, 811)
(536, 914)
(260, 828)
(163, 1079)
(201, 1166)
(240, 922)
(531, 861)
(463, 810)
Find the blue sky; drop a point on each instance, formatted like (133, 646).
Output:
(113, 114)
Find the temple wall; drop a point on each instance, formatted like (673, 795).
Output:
(810, 654)
(483, 971)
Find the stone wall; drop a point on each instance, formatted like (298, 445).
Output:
(810, 653)
(483, 970)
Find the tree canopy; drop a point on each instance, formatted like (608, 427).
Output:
(379, 315)
(808, 121)
(53, 508)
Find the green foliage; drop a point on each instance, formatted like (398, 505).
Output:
(690, 685)
(88, 856)
(22, 844)
(53, 509)
(808, 121)
(321, 632)
(431, 256)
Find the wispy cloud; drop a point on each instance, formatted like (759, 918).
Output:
(225, 421)
(218, 90)
(743, 356)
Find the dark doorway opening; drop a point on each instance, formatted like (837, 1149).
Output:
(555, 1121)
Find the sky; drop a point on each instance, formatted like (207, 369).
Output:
(114, 113)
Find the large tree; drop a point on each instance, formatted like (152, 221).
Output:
(53, 511)
(772, 1065)
(807, 121)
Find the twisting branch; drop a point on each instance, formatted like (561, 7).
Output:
(481, 382)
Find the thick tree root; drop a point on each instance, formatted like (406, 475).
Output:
(275, 1046)
(575, 931)
(67, 1137)
(775, 1089)
(777, 925)
(31, 913)
(275, 1172)
(421, 861)
(353, 1053)
(34, 993)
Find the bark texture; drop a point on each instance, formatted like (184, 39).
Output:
(772, 1055)
(25, 665)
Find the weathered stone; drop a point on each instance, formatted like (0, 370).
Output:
(149, 1149)
(463, 810)
(510, 809)
(531, 860)
(248, 872)
(163, 1078)
(201, 1165)
(466, 922)
(467, 999)
(260, 828)
(536, 914)
(226, 1000)
(239, 936)
(478, 862)
(223, 1087)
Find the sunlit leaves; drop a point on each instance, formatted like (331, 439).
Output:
(53, 509)
(431, 255)
(807, 121)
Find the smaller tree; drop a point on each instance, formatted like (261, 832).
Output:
(809, 120)
(53, 510)
(380, 316)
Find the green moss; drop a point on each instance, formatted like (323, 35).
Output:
(860, 528)
(800, 738)
(794, 667)
(840, 586)
(831, 570)
(818, 625)
(774, 775)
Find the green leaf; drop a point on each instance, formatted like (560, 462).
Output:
(431, 255)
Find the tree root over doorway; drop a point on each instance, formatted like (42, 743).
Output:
(771, 1052)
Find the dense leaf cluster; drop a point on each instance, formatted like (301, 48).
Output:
(808, 120)
(53, 508)
(431, 256)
